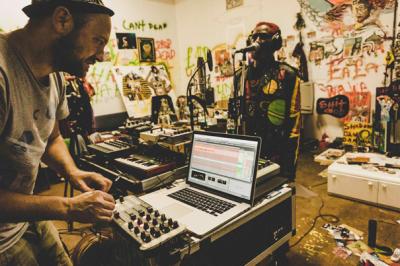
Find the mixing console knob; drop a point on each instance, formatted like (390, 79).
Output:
(133, 217)
(175, 225)
(145, 236)
(155, 222)
(116, 215)
(141, 213)
(139, 222)
(170, 221)
(149, 209)
(163, 218)
(165, 229)
(156, 213)
(148, 217)
(130, 225)
(155, 232)
(121, 199)
(146, 226)
(136, 230)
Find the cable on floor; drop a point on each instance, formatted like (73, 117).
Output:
(329, 218)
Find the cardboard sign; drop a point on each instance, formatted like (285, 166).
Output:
(357, 134)
(337, 106)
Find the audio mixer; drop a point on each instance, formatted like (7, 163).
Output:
(147, 226)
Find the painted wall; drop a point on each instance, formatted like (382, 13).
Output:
(346, 56)
(352, 63)
(184, 29)
(11, 15)
(145, 18)
(207, 24)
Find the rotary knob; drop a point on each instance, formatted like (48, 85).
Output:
(155, 233)
(136, 230)
(148, 217)
(145, 236)
(146, 226)
(175, 224)
(130, 225)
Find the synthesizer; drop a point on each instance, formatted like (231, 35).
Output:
(135, 127)
(147, 226)
(168, 135)
(143, 166)
(176, 135)
(111, 148)
(151, 136)
(266, 169)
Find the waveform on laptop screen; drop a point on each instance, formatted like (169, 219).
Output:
(224, 160)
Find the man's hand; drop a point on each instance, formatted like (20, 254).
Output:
(88, 181)
(90, 207)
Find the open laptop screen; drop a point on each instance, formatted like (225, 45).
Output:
(225, 163)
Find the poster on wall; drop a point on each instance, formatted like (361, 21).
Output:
(147, 52)
(233, 3)
(357, 134)
(126, 40)
(138, 84)
(337, 106)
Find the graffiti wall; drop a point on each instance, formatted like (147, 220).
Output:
(145, 19)
(144, 37)
(347, 44)
(207, 24)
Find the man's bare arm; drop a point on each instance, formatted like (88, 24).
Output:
(16, 207)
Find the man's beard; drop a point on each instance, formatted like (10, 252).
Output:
(64, 56)
(265, 53)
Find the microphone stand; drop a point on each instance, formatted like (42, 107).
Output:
(189, 96)
(238, 93)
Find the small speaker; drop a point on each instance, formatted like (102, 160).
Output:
(372, 233)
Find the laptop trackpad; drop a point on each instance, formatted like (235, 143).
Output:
(177, 210)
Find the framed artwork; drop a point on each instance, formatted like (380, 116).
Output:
(126, 40)
(233, 3)
(147, 52)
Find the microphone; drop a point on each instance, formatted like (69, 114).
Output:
(253, 47)
(202, 74)
(209, 60)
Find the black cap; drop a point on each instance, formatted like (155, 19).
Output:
(40, 7)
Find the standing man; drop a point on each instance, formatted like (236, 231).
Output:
(61, 35)
(272, 100)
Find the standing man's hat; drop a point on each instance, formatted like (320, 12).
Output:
(41, 7)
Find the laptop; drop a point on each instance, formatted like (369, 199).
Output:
(220, 184)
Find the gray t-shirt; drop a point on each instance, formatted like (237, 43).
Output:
(28, 113)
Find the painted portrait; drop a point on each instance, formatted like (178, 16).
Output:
(126, 40)
(146, 48)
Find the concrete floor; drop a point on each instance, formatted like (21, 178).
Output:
(316, 248)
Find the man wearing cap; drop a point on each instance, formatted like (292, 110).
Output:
(272, 100)
(61, 35)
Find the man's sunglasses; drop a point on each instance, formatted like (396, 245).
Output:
(263, 36)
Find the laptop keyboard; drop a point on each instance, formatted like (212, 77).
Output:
(202, 201)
